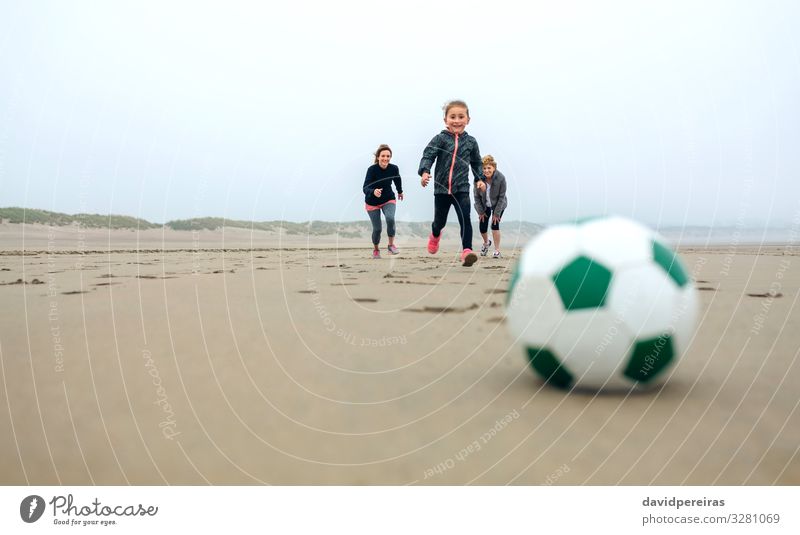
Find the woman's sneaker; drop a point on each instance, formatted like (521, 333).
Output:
(485, 248)
(376, 254)
(393, 250)
(468, 257)
(433, 243)
(497, 254)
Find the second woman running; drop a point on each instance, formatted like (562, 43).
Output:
(379, 197)
(491, 204)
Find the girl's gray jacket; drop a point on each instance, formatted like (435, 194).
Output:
(497, 195)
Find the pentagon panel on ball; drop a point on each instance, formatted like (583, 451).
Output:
(582, 283)
(602, 304)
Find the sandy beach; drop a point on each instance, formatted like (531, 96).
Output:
(244, 358)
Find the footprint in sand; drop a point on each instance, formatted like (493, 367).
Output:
(75, 292)
(766, 294)
(442, 310)
(307, 291)
(365, 300)
(20, 281)
(496, 291)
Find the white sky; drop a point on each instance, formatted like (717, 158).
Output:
(669, 112)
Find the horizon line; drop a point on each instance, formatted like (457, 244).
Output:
(726, 225)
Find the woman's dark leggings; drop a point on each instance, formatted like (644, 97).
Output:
(375, 216)
(441, 207)
(484, 225)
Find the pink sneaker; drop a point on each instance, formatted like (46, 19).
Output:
(393, 249)
(433, 244)
(376, 254)
(468, 257)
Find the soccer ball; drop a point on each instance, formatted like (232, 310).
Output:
(602, 304)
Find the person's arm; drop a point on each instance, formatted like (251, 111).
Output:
(369, 181)
(398, 182)
(429, 155)
(476, 162)
(502, 201)
(477, 196)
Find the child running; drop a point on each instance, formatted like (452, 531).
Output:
(454, 152)
(379, 197)
(491, 204)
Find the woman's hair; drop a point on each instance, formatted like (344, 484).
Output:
(489, 160)
(382, 147)
(455, 104)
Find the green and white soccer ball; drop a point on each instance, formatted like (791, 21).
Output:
(602, 304)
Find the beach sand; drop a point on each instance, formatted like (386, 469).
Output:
(241, 358)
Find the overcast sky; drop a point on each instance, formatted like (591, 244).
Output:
(669, 112)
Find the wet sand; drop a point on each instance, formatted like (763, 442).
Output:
(249, 359)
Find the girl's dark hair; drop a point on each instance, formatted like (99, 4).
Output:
(382, 147)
